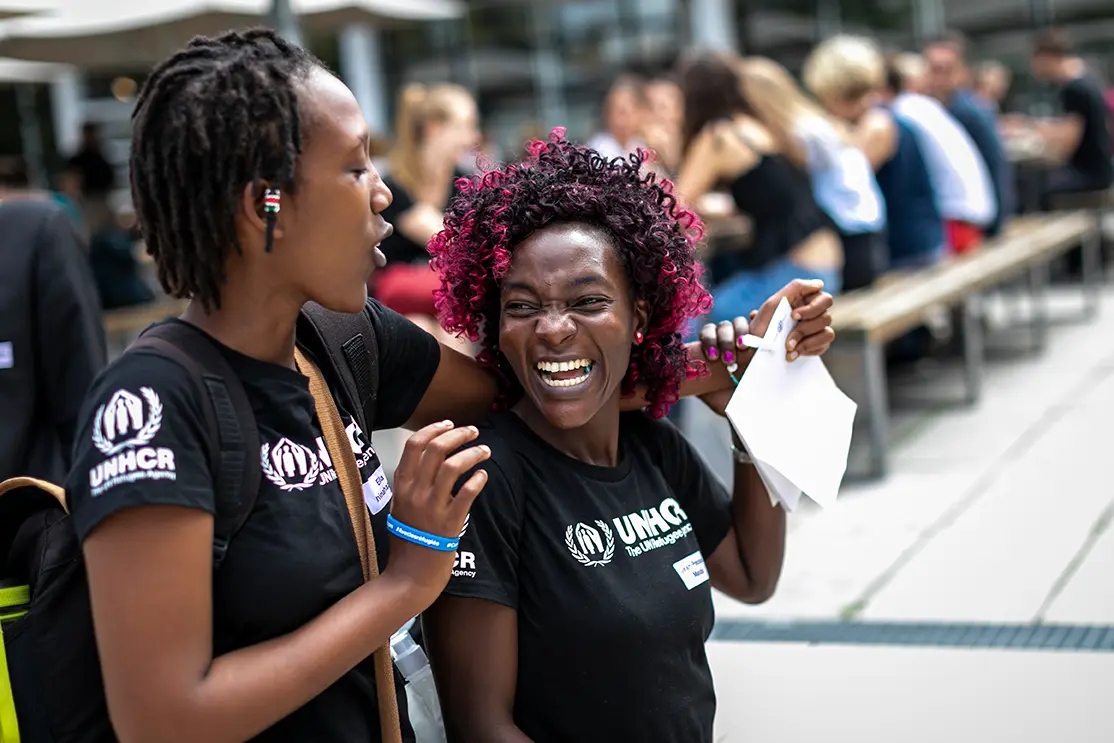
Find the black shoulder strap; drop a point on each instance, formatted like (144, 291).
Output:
(345, 348)
(234, 439)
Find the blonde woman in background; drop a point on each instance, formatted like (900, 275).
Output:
(726, 144)
(842, 179)
(848, 75)
(436, 126)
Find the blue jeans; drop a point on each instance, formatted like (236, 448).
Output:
(747, 290)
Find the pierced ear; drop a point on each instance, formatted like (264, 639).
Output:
(261, 206)
(641, 317)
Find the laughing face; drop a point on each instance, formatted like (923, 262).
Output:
(567, 322)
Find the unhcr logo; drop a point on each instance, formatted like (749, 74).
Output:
(590, 546)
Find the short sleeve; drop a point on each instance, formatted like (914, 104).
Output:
(487, 560)
(408, 360)
(140, 442)
(703, 496)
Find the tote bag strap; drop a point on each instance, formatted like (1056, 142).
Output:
(340, 451)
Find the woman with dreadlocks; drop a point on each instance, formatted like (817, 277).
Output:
(255, 194)
(581, 601)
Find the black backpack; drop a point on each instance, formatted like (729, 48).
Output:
(51, 689)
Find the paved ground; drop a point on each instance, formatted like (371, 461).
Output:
(992, 517)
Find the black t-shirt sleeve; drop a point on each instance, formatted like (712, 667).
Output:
(140, 441)
(487, 562)
(408, 359)
(704, 498)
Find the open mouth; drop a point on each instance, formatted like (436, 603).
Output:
(565, 373)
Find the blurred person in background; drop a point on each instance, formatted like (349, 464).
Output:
(846, 74)
(97, 179)
(726, 143)
(949, 81)
(1079, 139)
(665, 122)
(842, 179)
(624, 116)
(52, 341)
(992, 83)
(960, 179)
(436, 127)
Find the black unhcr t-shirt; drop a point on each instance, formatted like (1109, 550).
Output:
(604, 566)
(142, 442)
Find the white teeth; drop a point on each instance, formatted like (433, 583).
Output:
(558, 366)
(565, 382)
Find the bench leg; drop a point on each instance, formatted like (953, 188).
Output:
(878, 406)
(973, 348)
(1092, 269)
(1038, 291)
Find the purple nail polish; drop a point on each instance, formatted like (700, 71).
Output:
(713, 353)
(728, 357)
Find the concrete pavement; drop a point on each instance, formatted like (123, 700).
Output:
(997, 515)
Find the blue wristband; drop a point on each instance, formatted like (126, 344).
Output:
(410, 534)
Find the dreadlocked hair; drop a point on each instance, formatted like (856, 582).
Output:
(562, 182)
(218, 115)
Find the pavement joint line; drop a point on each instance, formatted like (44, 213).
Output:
(977, 490)
(1098, 528)
(1083, 638)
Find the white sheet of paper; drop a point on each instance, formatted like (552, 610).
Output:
(793, 419)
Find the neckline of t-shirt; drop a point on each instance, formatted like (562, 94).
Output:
(598, 472)
(252, 367)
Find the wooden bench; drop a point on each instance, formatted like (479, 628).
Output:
(124, 324)
(867, 319)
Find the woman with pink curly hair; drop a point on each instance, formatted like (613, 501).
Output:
(580, 600)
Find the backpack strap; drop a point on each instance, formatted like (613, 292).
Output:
(345, 348)
(234, 435)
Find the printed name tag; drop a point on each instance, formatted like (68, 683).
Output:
(377, 491)
(692, 570)
(7, 355)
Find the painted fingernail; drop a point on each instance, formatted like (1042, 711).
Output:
(739, 342)
(713, 353)
(728, 357)
(793, 356)
(792, 343)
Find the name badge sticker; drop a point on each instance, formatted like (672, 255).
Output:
(692, 570)
(377, 491)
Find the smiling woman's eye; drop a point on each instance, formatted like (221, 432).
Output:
(591, 303)
(517, 307)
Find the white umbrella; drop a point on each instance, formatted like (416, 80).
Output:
(127, 33)
(17, 8)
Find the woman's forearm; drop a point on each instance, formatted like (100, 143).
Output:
(246, 691)
(760, 533)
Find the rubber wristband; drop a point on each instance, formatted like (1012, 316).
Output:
(419, 537)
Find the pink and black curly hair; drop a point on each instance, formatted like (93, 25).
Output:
(562, 182)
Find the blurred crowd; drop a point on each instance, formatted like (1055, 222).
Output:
(877, 160)
(881, 160)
